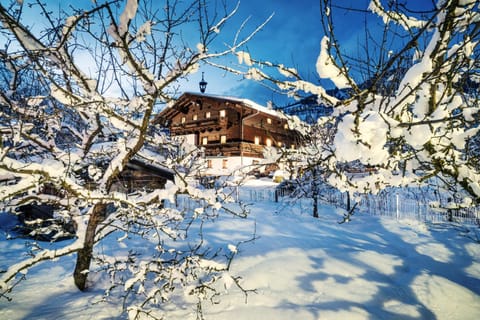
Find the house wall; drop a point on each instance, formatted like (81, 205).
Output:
(227, 128)
(265, 127)
(192, 139)
(207, 119)
(210, 119)
(228, 165)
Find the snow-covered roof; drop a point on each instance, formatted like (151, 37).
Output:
(246, 102)
(154, 168)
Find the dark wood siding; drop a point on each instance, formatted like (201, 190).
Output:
(210, 118)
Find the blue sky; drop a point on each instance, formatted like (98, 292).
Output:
(292, 38)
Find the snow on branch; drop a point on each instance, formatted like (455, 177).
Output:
(216, 28)
(408, 123)
(127, 15)
(328, 69)
(78, 132)
(399, 18)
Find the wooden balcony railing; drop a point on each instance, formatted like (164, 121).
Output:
(233, 149)
(199, 125)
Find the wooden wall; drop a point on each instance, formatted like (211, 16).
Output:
(211, 118)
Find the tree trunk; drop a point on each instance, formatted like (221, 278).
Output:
(84, 256)
(315, 206)
(349, 206)
(315, 192)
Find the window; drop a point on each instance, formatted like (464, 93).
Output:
(255, 162)
(269, 121)
(279, 144)
(184, 119)
(268, 142)
(204, 140)
(257, 140)
(224, 163)
(223, 139)
(208, 114)
(195, 117)
(292, 147)
(209, 164)
(285, 126)
(222, 113)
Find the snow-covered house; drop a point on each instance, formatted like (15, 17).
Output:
(232, 131)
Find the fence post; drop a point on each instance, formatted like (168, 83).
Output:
(397, 205)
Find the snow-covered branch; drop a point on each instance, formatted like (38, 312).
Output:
(412, 119)
(76, 103)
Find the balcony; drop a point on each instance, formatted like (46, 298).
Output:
(190, 126)
(231, 149)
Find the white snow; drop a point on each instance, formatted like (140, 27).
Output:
(201, 48)
(69, 24)
(301, 268)
(287, 72)
(326, 67)
(248, 102)
(255, 74)
(369, 147)
(391, 16)
(128, 14)
(143, 31)
(244, 57)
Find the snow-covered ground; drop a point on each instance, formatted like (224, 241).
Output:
(301, 268)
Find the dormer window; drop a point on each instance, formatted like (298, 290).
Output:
(285, 126)
(269, 121)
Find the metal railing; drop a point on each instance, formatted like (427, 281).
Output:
(388, 204)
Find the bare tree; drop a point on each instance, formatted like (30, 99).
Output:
(77, 98)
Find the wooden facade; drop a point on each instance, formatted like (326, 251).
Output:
(139, 175)
(227, 127)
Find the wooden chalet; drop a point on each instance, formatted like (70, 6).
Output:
(138, 175)
(232, 131)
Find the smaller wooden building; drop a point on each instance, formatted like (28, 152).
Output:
(140, 175)
(232, 131)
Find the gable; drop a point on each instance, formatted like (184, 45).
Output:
(192, 103)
